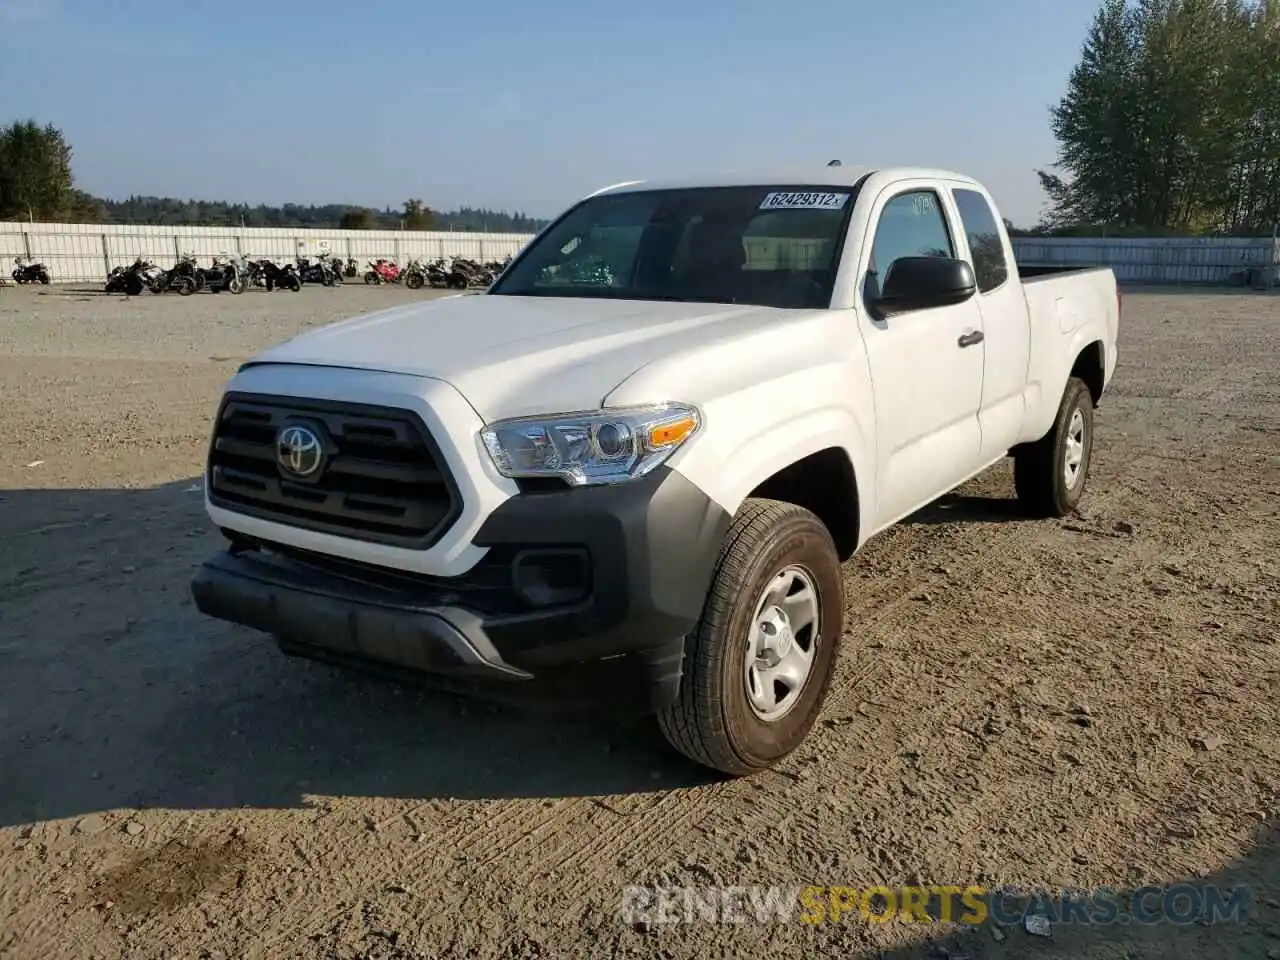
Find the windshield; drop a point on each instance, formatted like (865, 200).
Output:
(773, 246)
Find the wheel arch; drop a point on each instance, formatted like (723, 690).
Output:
(825, 483)
(820, 459)
(1090, 366)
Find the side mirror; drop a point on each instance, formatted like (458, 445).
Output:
(918, 283)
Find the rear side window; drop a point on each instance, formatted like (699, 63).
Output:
(989, 264)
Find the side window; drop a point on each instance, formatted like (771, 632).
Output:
(911, 225)
(989, 264)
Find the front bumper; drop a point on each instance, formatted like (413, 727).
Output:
(305, 608)
(629, 565)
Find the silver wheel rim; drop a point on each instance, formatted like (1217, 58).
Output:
(1073, 449)
(782, 643)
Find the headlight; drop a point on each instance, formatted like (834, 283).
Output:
(607, 446)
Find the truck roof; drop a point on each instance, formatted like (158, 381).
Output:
(823, 176)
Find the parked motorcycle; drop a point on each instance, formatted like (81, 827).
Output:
(188, 266)
(227, 273)
(414, 274)
(179, 278)
(352, 268)
(382, 271)
(255, 274)
(280, 276)
(315, 271)
(495, 267)
(133, 279)
(29, 271)
(438, 273)
(465, 273)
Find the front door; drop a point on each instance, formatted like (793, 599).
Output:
(926, 365)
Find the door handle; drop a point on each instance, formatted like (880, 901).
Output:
(970, 338)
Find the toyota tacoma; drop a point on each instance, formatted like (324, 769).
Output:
(654, 440)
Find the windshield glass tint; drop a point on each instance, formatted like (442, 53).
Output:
(769, 246)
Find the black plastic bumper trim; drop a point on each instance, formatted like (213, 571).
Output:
(284, 601)
(650, 548)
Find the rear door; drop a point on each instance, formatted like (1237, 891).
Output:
(926, 365)
(1005, 322)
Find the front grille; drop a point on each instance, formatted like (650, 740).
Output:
(383, 477)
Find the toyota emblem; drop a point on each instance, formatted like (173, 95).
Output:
(299, 451)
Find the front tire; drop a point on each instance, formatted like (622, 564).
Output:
(1049, 475)
(758, 664)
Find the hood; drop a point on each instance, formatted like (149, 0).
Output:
(515, 356)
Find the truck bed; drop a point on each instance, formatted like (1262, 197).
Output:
(1061, 300)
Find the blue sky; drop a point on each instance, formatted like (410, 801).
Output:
(529, 105)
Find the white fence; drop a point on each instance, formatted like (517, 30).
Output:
(89, 251)
(1237, 261)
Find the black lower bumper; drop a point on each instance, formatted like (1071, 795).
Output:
(571, 577)
(306, 608)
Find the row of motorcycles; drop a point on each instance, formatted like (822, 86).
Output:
(454, 273)
(233, 274)
(236, 274)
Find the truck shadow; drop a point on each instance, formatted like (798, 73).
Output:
(970, 508)
(115, 691)
(1245, 927)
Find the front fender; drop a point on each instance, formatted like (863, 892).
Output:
(732, 459)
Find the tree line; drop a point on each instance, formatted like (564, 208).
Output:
(36, 183)
(1170, 123)
(413, 215)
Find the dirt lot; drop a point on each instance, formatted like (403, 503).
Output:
(1019, 702)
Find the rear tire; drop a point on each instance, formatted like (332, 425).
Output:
(1050, 474)
(721, 717)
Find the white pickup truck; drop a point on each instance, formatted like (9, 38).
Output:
(653, 441)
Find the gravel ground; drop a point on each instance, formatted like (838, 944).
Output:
(1036, 703)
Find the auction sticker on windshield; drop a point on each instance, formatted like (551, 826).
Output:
(804, 201)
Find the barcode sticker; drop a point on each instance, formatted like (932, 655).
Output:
(804, 201)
